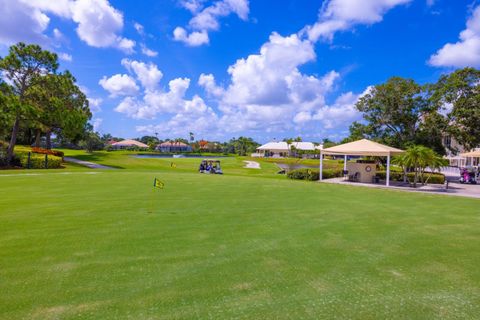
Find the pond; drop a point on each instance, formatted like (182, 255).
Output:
(157, 156)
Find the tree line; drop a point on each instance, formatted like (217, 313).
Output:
(403, 113)
(37, 100)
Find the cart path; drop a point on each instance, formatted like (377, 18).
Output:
(252, 164)
(88, 164)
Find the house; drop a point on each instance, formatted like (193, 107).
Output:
(457, 155)
(203, 144)
(283, 149)
(273, 150)
(128, 143)
(173, 146)
(305, 149)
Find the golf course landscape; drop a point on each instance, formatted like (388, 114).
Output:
(77, 243)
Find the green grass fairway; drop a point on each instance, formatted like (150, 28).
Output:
(75, 245)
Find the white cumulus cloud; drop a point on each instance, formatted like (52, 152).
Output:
(119, 85)
(148, 74)
(21, 22)
(465, 52)
(194, 39)
(99, 24)
(148, 52)
(341, 15)
(207, 19)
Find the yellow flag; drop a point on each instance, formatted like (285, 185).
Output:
(158, 184)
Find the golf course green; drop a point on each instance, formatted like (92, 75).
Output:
(78, 243)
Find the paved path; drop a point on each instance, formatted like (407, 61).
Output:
(88, 164)
(454, 189)
(252, 165)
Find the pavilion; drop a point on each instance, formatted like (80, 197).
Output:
(129, 143)
(362, 147)
(472, 155)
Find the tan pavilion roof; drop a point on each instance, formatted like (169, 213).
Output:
(471, 154)
(362, 147)
(129, 143)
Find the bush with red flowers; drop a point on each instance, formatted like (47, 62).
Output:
(49, 152)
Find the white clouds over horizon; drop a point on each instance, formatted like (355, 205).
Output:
(268, 92)
(185, 114)
(465, 52)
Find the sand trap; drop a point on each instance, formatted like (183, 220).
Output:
(252, 165)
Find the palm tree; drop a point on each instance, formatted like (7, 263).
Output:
(419, 158)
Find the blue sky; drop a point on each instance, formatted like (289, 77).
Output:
(225, 68)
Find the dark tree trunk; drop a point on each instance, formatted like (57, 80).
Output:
(13, 139)
(38, 135)
(49, 140)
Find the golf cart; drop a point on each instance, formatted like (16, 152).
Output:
(468, 175)
(210, 166)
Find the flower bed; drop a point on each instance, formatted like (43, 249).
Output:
(37, 161)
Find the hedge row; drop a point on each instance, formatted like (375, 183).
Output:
(436, 178)
(313, 174)
(37, 161)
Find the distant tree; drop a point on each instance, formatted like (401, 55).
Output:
(23, 64)
(106, 137)
(150, 140)
(241, 146)
(7, 99)
(358, 131)
(91, 141)
(327, 143)
(192, 137)
(61, 107)
(394, 113)
(182, 140)
(290, 140)
(458, 93)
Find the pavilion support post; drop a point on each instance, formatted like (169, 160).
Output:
(320, 175)
(388, 170)
(345, 163)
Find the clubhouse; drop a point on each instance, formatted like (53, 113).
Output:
(283, 149)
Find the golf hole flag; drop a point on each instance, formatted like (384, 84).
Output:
(158, 184)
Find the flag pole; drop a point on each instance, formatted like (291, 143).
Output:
(150, 209)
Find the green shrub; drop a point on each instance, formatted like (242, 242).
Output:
(37, 161)
(436, 178)
(313, 174)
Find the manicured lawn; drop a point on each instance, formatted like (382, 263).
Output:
(75, 245)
